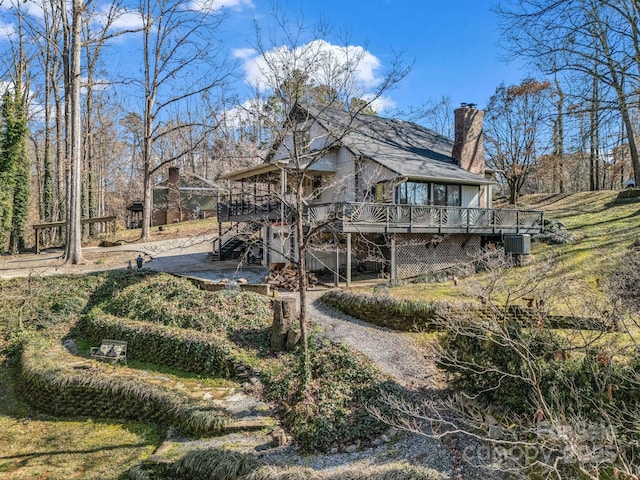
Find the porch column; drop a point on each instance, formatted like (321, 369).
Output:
(348, 259)
(266, 251)
(336, 281)
(394, 263)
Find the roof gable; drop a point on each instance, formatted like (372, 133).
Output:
(192, 181)
(406, 148)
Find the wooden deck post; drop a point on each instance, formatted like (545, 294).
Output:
(348, 259)
(394, 262)
(336, 281)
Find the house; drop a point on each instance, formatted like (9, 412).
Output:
(184, 197)
(423, 200)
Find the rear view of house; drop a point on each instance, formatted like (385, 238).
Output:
(374, 186)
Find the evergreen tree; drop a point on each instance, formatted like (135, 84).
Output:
(14, 170)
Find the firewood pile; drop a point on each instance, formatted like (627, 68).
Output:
(285, 276)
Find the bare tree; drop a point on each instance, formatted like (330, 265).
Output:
(515, 131)
(72, 56)
(436, 115)
(305, 79)
(594, 39)
(180, 65)
(532, 400)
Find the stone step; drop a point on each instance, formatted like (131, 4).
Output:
(249, 424)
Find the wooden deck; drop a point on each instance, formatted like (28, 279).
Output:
(393, 218)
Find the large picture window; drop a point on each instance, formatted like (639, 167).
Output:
(414, 193)
(423, 193)
(447, 195)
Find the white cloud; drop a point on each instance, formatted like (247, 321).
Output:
(99, 84)
(323, 62)
(215, 5)
(244, 53)
(27, 7)
(32, 8)
(381, 104)
(123, 19)
(241, 115)
(7, 30)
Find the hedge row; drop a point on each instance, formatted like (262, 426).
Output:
(628, 195)
(187, 350)
(229, 465)
(335, 411)
(52, 387)
(411, 316)
(403, 315)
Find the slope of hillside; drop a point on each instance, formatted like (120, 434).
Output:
(577, 272)
(603, 233)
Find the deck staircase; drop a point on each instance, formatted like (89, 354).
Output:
(234, 239)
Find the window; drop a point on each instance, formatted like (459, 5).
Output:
(447, 195)
(414, 193)
(317, 187)
(439, 194)
(453, 195)
(425, 193)
(301, 142)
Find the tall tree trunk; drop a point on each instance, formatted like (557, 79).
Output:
(302, 282)
(47, 181)
(594, 138)
(148, 121)
(73, 251)
(558, 138)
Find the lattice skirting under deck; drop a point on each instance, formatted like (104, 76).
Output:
(420, 254)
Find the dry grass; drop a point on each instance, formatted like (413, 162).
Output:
(34, 446)
(577, 271)
(175, 230)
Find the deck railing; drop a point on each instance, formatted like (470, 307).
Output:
(248, 205)
(385, 217)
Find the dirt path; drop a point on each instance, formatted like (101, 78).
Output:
(395, 353)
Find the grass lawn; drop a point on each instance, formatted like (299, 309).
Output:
(33, 446)
(175, 230)
(575, 273)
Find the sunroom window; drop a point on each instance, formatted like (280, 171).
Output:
(414, 193)
(447, 195)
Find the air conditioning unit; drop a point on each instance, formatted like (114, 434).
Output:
(517, 244)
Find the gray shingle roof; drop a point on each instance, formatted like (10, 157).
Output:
(406, 148)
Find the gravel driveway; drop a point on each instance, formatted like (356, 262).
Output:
(395, 353)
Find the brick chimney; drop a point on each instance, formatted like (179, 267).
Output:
(173, 195)
(467, 143)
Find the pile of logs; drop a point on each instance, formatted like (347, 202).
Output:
(285, 276)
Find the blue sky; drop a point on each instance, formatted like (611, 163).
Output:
(454, 45)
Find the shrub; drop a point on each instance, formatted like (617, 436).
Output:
(334, 407)
(393, 471)
(628, 195)
(213, 465)
(554, 233)
(49, 385)
(404, 315)
(184, 349)
(493, 360)
(411, 316)
(174, 301)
